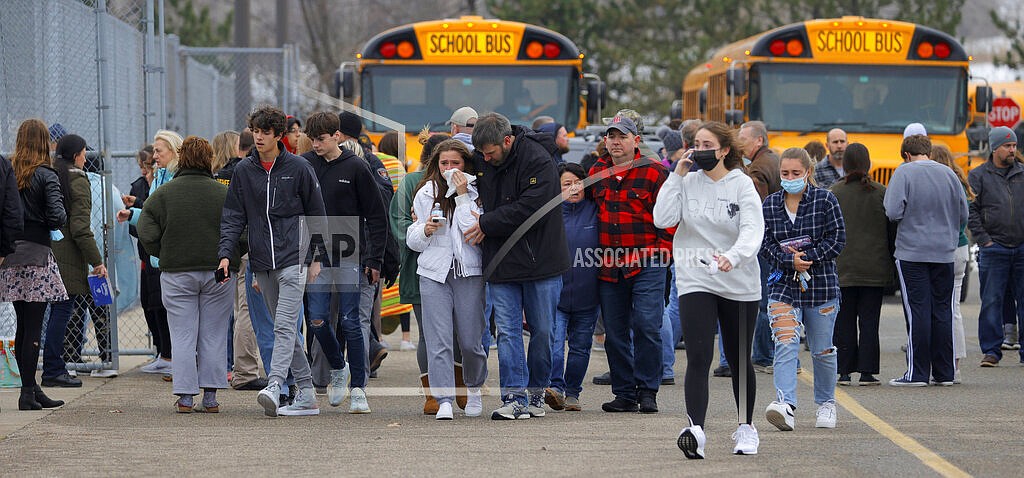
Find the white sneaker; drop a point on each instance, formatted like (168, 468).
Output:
(103, 373)
(444, 411)
(780, 414)
(337, 389)
(474, 403)
(303, 405)
(826, 415)
(157, 366)
(691, 441)
(746, 440)
(358, 402)
(406, 346)
(269, 398)
(384, 343)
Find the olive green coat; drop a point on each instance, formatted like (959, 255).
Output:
(77, 253)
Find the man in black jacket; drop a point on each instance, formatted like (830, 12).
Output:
(12, 219)
(271, 191)
(349, 192)
(997, 225)
(523, 242)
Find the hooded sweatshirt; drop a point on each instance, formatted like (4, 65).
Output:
(715, 218)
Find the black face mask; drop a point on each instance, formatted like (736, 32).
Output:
(705, 159)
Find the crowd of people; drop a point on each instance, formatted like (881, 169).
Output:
(495, 237)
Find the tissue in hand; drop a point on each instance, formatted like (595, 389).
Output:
(449, 174)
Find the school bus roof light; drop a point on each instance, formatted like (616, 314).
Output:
(778, 47)
(942, 50)
(795, 47)
(388, 50)
(552, 50)
(405, 49)
(925, 50)
(534, 50)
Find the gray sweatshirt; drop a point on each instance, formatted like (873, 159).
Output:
(928, 202)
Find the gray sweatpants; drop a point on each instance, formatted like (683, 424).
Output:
(198, 316)
(367, 294)
(457, 304)
(282, 290)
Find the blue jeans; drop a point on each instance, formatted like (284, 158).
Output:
(819, 322)
(318, 296)
(578, 328)
(538, 299)
(263, 324)
(634, 305)
(671, 330)
(53, 345)
(997, 267)
(764, 349)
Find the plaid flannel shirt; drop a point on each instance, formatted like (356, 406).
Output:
(818, 216)
(625, 214)
(825, 174)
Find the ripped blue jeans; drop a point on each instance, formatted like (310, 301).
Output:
(819, 322)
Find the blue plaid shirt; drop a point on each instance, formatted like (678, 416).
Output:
(817, 217)
(825, 174)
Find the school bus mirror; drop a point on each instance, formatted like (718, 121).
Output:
(983, 99)
(736, 81)
(676, 110)
(348, 81)
(597, 94)
(734, 117)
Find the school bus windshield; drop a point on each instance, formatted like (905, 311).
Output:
(427, 95)
(858, 98)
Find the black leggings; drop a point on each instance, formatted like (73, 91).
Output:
(27, 337)
(701, 314)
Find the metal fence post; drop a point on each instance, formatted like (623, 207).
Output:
(103, 97)
(284, 79)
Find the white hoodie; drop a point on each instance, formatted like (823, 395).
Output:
(714, 218)
(446, 244)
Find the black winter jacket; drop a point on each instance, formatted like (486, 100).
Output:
(511, 196)
(271, 204)
(12, 216)
(348, 188)
(43, 203)
(997, 213)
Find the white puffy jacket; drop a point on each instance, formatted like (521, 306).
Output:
(446, 245)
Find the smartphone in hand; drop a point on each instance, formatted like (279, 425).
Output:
(219, 275)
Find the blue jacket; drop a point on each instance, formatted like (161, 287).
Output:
(579, 283)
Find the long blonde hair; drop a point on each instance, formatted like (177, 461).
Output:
(941, 154)
(31, 150)
(223, 149)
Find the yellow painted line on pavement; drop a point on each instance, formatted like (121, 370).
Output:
(912, 446)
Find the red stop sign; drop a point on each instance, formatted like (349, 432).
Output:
(1005, 112)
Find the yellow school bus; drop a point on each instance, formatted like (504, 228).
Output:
(418, 74)
(868, 77)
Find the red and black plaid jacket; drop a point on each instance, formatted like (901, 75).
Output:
(625, 201)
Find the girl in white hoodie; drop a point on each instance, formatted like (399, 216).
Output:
(450, 275)
(717, 213)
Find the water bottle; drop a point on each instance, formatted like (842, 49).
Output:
(437, 214)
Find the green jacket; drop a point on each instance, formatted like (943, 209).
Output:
(180, 223)
(867, 260)
(400, 220)
(77, 251)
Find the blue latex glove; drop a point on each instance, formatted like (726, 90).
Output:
(154, 261)
(56, 235)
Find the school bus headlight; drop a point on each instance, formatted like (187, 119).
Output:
(405, 49)
(534, 49)
(925, 50)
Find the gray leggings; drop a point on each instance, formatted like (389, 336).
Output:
(454, 306)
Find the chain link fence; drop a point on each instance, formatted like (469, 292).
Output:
(104, 70)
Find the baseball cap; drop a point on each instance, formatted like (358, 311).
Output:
(622, 124)
(462, 116)
(914, 128)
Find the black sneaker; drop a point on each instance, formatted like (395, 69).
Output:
(603, 379)
(866, 380)
(621, 405)
(648, 401)
(255, 384)
(63, 380)
(723, 371)
(844, 380)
